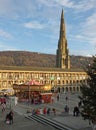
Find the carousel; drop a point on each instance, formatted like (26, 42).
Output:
(33, 91)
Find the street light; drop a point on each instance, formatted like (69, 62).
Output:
(29, 92)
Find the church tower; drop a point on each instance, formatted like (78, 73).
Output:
(62, 57)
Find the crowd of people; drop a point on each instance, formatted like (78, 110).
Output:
(48, 111)
(45, 111)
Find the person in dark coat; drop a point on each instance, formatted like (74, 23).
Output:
(48, 111)
(7, 120)
(66, 109)
(11, 117)
(76, 111)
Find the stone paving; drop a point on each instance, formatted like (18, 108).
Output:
(77, 123)
(20, 122)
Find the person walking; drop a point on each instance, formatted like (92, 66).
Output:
(66, 109)
(76, 111)
(48, 111)
(58, 97)
(54, 111)
(66, 98)
(44, 110)
(3, 107)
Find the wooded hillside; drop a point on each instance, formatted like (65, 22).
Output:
(35, 59)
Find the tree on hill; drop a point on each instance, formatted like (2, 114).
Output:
(88, 97)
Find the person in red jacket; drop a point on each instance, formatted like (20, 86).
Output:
(44, 111)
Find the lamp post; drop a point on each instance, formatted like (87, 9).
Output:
(29, 92)
(10, 104)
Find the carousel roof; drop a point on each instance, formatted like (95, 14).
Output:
(33, 82)
(33, 85)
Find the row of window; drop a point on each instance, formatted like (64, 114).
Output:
(56, 82)
(41, 76)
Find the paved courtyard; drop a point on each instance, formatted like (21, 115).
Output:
(20, 122)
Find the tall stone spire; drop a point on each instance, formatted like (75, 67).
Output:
(62, 58)
(62, 26)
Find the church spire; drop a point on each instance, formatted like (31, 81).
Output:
(62, 59)
(62, 14)
(62, 26)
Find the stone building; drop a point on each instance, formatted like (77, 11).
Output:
(67, 80)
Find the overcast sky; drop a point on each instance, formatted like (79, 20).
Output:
(34, 25)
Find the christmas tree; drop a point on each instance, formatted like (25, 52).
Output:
(88, 93)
